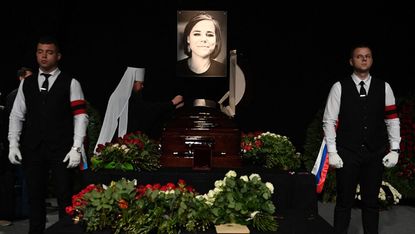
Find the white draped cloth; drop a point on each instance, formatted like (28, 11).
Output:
(117, 108)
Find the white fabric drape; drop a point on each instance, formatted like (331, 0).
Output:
(117, 108)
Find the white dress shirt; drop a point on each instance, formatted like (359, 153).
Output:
(332, 109)
(18, 112)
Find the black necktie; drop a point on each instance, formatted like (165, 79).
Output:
(362, 89)
(45, 85)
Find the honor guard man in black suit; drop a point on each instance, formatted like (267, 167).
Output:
(366, 140)
(47, 127)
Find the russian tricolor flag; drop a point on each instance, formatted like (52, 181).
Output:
(84, 163)
(321, 166)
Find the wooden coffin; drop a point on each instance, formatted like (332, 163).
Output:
(202, 138)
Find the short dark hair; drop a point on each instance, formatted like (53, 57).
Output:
(48, 39)
(196, 19)
(359, 45)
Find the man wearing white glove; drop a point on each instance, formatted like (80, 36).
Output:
(15, 156)
(74, 157)
(391, 159)
(335, 160)
(47, 127)
(363, 141)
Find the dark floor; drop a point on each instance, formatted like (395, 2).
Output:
(398, 219)
(22, 226)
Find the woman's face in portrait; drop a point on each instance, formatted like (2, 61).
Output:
(202, 39)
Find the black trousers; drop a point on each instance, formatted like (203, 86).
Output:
(40, 165)
(6, 190)
(359, 167)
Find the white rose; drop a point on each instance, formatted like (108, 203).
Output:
(231, 173)
(244, 178)
(253, 214)
(270, 186)
(211, 193)
(218, 183)
(217, 190)
(253, 176)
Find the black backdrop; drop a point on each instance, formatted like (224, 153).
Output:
(291, 52)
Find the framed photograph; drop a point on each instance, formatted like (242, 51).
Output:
(201, 44)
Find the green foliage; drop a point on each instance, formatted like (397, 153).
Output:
(95, 205)
(135, 151)
(125, 207)
(329, 190)
(264, 223)
(269, 150)
(94, 127)
(244, 200)
(314, 136)
(169, 209)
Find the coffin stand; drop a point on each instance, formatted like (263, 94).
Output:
(201, 137)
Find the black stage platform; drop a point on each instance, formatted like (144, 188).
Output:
(294, 193)
(292, 223)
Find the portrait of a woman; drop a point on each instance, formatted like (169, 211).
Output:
(202, 43)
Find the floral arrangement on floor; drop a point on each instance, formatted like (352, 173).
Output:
(125, 207)
(244, 200)
(388, 195)
(269, 150)
(134, 151)
(172, 208)
(168, 209)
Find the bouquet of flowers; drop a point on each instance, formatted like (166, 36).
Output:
(169, 209)
(172, 208)
(134, 151)
(388, 195)
(96, 205)
(269, 150)
(244, 200)
(125, 207)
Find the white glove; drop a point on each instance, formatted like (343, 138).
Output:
(335, 160)
(74, 158)
(391, 159)
(15, 157)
